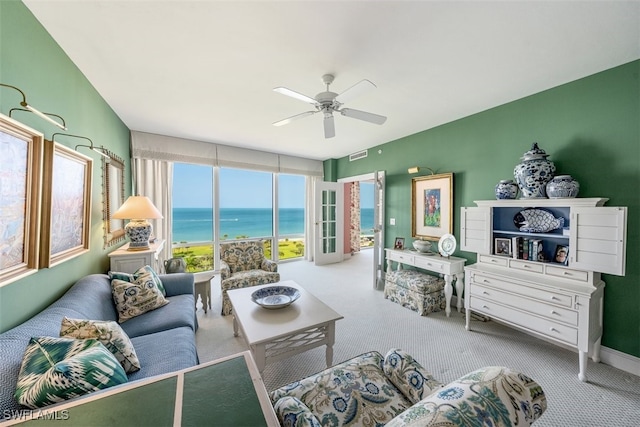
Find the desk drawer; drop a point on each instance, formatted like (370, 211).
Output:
(567, 273)
(492, 260)
(543, 295)
(404, 258)
(526, 320)
(428, 264)
(552, 312)
(531, 267)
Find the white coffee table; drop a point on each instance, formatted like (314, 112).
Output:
(273, 335)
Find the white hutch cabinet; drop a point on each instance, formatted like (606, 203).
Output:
(561, 302)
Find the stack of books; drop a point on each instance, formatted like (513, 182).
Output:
(529, 249)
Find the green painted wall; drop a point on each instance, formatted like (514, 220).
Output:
(31, 60)
(590, 128)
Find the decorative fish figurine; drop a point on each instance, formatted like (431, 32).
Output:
(537, 221)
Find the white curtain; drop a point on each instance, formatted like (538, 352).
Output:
(310, 215)
(153, 178)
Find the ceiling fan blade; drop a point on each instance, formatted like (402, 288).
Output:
(292, 118)
(329, 126)
(294, 94)
(363, 115)
(356, 90)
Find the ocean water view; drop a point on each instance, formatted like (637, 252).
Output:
(196, 224)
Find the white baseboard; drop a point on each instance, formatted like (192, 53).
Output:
(620, 360)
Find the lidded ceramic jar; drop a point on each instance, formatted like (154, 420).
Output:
(562, 186)
(506, 189)
(533, 173)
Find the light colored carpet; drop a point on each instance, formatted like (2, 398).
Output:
(440, 344)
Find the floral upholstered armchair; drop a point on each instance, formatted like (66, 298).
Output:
(395, 390)
(243, 264)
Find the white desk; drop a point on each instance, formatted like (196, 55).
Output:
(276, 334)
(450, 268)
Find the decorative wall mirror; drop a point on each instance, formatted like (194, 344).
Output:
(112, 197)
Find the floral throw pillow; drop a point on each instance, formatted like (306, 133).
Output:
(56, 369)
(145, 273)
(109, 333)
(135, 298)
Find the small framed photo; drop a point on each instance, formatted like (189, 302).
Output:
(398, 243)
(562, 254)
(502, 247)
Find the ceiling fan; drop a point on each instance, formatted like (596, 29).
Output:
(329, 102)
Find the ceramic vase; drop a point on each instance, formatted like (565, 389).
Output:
(506, 189)
(562, 186)
(533, 173)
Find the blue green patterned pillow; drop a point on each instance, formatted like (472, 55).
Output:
(56, 369)
(135, 298)
(142, 273)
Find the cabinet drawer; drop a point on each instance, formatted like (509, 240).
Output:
(428, 264)
(527, 266)
(552, 312)
(567, 273)
(401, 257)
(522, 289)
(502, 262)
(526, 320)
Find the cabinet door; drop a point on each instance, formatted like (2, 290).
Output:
(475, 229)
(598, 239)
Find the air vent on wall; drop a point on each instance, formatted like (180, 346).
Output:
(359, 155)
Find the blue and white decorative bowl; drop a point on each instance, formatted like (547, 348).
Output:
(273, 297)
(533, 173)
(563, 186)
(506, 189)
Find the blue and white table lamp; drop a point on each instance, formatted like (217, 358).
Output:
(138, 209)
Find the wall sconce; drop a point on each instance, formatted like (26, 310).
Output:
(38, 113)
(416, 169)
(138, 209)
(99, 150)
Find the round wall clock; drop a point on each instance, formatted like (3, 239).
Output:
(447, 245)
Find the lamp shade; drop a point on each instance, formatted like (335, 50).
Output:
(138, 209)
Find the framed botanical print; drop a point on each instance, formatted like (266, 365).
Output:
(66, 206)
(432, 206)
(20, 197)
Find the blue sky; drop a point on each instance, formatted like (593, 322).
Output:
(192, 188)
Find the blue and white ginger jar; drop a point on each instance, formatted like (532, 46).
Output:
(533, 173)
(506, 189)
(562, 186)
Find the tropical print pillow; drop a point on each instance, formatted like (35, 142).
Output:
(56, 369)
(135, 298)
(109, 333)
(143, 273)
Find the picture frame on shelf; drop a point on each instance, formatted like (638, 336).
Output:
(432, 206)
(561, 255)
(502, 247)
(66, 204)
(398, 243)
(21, 150)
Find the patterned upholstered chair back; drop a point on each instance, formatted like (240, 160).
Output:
(242, 256)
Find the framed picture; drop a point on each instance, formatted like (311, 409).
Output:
(398, 243)
(66, 205)
(561, 255)
(20, 199)
(502, 247)
(432, 206)
(112, 198)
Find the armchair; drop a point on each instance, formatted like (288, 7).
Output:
(243, 264)
(395, 390)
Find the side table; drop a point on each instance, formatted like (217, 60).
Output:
(128, 261)
(203, 288)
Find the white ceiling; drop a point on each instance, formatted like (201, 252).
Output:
(205, 70)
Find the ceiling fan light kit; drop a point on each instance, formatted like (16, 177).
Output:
(329, 102)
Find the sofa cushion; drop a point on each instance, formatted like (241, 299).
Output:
(355, 392)
(145, 272)
(165, 351)
(57, 369)
(135, 298)
(109, 333)
(180, 312)
(489, 396)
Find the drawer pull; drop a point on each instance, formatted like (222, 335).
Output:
(429, 264)
(485, 293)
(494, 260)
(526, 266)
(486, 281)
(554, 312)
(485, 307)
(566, 273)
(553, 330)
(553, 297)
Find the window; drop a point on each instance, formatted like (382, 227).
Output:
(291, 217)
